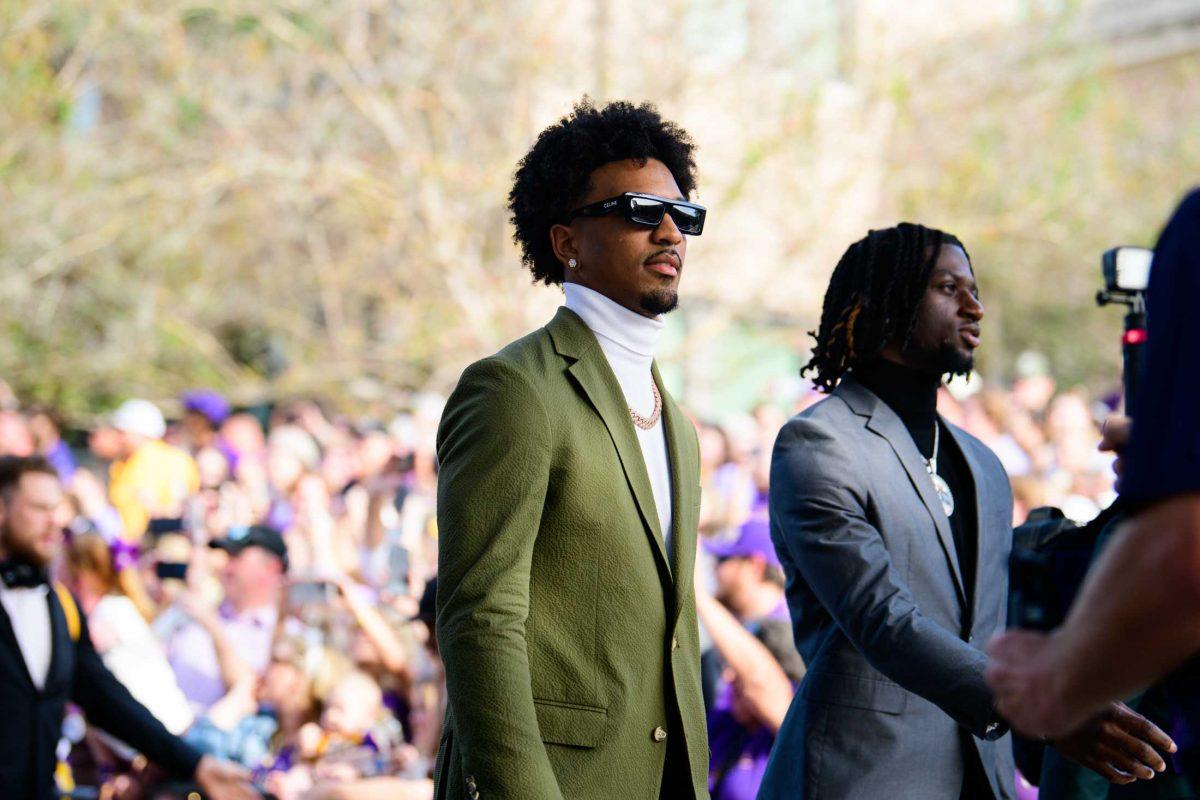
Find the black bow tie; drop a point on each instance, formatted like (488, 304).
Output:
(22, 575)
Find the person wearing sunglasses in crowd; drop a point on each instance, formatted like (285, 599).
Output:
(568, 500)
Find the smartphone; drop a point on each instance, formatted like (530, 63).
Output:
(166, 570)
(162, 525)
(311, 593)
(397, 582)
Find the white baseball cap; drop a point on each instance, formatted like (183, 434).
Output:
(140, 417)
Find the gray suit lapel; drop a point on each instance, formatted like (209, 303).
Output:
(977, 476)
(884, 422)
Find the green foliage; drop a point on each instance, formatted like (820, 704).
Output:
(269, 200)
(1052, 165)
(287, 197)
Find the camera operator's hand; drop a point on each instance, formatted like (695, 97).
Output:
(1115, 432)
(1022, 673)
(1119, 744)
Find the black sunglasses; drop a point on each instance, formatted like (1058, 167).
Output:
(647, 210)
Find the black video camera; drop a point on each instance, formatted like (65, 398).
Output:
(1126, 276)
(1051, 554)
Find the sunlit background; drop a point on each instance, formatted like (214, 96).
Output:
(305, 197)
(299, 208)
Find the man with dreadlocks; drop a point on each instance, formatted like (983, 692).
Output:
(894, 530)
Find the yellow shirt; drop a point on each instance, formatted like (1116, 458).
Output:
(153, 482)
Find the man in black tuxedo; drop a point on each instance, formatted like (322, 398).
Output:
(47, 658)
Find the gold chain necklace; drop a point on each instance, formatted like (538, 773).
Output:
(646, 423)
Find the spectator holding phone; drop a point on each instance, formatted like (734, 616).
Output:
(124, 640)
(253, 578)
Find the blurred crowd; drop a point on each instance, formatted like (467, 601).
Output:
(263, 581)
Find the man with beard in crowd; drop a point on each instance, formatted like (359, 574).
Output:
(47, 658)
(567, 498)
(894, 530)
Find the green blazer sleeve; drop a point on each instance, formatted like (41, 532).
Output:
(494, 451)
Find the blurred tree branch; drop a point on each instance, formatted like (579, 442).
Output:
(278, 197)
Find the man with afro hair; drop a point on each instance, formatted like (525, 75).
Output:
(568, 494)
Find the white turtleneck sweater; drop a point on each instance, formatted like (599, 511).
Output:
(628, 340)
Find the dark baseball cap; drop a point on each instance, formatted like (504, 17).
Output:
(263, 536)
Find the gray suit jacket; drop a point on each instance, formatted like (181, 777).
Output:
(892, 643)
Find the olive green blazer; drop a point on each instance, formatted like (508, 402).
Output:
(567, 630)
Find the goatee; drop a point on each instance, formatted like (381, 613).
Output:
(956, 362)
(945, 360)
(660, 301)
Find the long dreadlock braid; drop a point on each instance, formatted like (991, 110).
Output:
(873, 298)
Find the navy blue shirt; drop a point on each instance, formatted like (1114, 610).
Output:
(1164, 451)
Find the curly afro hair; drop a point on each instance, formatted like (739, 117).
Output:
(555, 174)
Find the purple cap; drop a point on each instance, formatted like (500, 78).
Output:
(753, 539)
(208, 403)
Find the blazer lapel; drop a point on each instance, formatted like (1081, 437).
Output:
(884, 422)
(60, 643)
(683, 551)
(981, 541)
(592, 374)
(8, 640)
